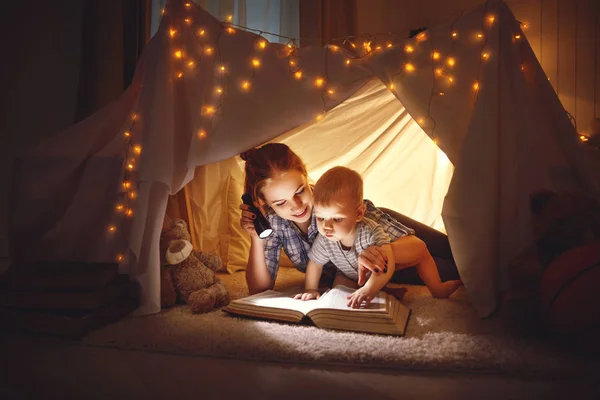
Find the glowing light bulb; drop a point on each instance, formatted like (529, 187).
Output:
(408, 49)
(137, 149)
(435, 55)
(134, 117)
(439, 71)
(298, 74)
(129, 212)
(522, 67)
(348, 62)
(119, 207)
(420, 121)
(188, 20)
(389, 45)
(435, 141)
(334, 48)
(230, 30)
(517, 36)
(172, 32)
(201, 32)
(222, 68)
(188, 5)
(319, 116)
(454, 35)
(262, 44)
(319, 82)
(126, 185)
(130, 166)
(229, 18)
(451, 61)
(191, 64)
(178, 54)
(245, 85)
(421, 37)
(120, 257)
(525, 26)
(112, 228)
(391, 86)
(219, 90)
(485, 56)
(476, 86)
(409, 67)
(179, 75)
(127, 134)
(450, 79)
(208, 50)
(583, 138)
(330, 91)
(255, 62)
(132, 195)
(201, 134)
(378, 48)
(490, 19)
(209, 110)
(480, 36)
(292, 63)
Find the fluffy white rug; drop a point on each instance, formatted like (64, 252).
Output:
(442, 335)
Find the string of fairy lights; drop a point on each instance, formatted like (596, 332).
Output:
(128, 187)
(347, 50)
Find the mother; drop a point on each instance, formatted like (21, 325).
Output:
(277, 180)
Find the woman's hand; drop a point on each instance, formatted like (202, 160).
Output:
(247, 220)
(364, 294)
(308, 295)
(374, 260)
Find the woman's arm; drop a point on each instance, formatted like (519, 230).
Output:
(258, 277)
(375, 283)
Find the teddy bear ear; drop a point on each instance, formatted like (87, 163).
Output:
(178, 251)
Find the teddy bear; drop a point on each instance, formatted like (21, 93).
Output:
(561, 221)
(188, 275)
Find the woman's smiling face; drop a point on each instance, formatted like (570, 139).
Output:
(289, 195)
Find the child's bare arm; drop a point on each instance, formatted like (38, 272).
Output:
(311, 282)
(375, 283)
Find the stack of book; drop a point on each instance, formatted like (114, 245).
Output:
(64, 299)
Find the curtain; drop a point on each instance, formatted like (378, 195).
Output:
(113, 35)
(280, 17)
(324, 20)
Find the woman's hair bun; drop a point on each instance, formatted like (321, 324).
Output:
(247, 154)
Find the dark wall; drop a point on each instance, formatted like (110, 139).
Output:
(62, 60)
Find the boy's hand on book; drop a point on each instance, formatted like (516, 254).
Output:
(374, 260)
(308, 295)
(364, 294)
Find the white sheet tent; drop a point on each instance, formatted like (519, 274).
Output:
(99, 189)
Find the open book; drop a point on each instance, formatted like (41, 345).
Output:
(385, 315)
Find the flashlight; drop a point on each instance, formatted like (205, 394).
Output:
(262, 226)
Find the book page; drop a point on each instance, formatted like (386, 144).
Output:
(280, 300)
(337, 298)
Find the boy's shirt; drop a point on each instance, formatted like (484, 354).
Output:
(368, 233)
(296, 245)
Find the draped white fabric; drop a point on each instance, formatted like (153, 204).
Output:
(506, 139)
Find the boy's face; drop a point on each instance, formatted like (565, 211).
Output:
(336, 221)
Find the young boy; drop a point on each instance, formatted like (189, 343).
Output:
(344, 234)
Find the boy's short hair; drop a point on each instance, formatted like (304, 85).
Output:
(336, 181)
